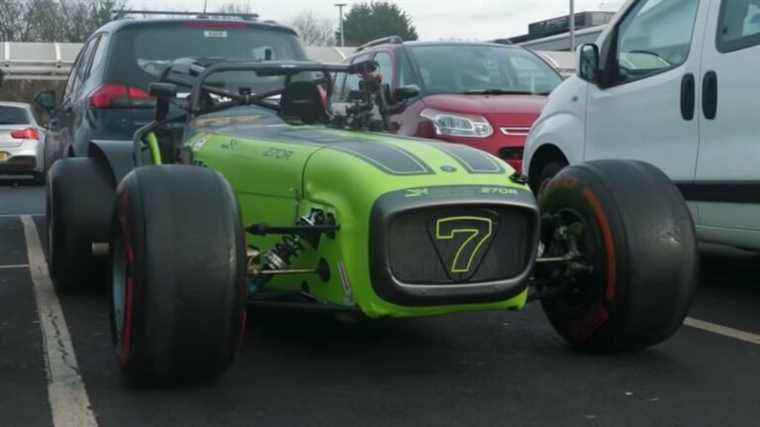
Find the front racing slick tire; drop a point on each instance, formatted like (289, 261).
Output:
(637, 235)
(178, 305)
(79, 206)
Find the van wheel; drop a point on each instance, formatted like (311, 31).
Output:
(636, 238)
(79, 207)
(178, 300)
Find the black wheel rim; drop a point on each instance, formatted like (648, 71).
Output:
(581, 307)
(580, 297)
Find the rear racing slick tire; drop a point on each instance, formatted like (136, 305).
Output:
(79, 207)
(178, 306)
(636, 232)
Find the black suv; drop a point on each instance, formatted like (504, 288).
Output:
(106, 97)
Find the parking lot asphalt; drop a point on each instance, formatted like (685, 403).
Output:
(300, 369)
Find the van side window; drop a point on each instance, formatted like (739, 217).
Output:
(738, 25)
(655, 36)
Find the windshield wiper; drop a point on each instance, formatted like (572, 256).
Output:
(496, 92)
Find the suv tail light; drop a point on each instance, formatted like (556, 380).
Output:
(120, 96)
(28, 133)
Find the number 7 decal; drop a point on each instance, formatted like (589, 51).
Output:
(475, 230)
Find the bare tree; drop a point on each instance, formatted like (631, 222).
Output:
(54, 20)
(314, 31)
(13, 23)
(244, 8)
(45, 20)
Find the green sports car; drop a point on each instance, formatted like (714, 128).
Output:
(236, 197)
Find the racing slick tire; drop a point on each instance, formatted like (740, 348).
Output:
(79, 207)
(178, 300)
(637, 234)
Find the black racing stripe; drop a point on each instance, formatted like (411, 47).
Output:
(739, 192)
(473, 160)
(388, 158)
(316, 136)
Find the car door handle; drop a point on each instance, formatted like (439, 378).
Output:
(688, 95)
(710, 95)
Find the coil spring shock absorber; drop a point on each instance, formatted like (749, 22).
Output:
(282, 255)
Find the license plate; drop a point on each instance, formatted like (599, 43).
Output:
(4, 156)
(215, 34)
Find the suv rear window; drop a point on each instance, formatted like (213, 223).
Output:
(13, 116)
(140, 53)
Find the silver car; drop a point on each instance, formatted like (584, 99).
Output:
(22, 141)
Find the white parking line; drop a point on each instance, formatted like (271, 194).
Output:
(37, 215)
(13, 267)
(722, 330)
(68, 398)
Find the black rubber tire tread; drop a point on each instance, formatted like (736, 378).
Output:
(655, 263)
(79, 207)
(189, 271)
(50, 156)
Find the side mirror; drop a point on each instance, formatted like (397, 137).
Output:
(46, 100)
(588, 63)
(163, 90)
(406, 92)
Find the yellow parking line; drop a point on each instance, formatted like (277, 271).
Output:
(722, 330)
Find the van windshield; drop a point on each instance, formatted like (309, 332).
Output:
(483, 69)
(142, 53)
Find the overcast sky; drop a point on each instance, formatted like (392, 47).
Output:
(434, 19)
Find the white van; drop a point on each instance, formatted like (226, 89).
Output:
(675, 83)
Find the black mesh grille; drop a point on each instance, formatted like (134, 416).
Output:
(474, 244)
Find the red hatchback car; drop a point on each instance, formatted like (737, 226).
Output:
(483, 95)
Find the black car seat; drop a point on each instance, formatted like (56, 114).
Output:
(302, 100)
